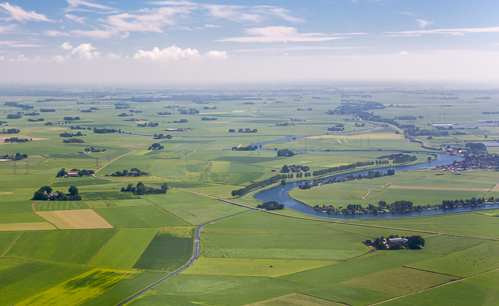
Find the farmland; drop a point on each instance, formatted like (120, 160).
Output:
(114, 243)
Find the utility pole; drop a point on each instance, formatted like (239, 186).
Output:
(27, 167)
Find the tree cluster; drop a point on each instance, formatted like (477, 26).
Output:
(271, 205)
(18, 156)
(190, 111)
(208, 119)
(156, 146)
(15, 139)
(83, 172)
(45, 194)
(285, 153)
(161, 136)
(71, 118)
(47, 110)
(11, 131)
(414, 242)
(36, 120)
(14, 116)
(247, 148)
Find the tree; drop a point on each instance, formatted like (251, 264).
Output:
(415, 242)
(73, 190)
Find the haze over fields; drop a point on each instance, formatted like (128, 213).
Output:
(187, 42)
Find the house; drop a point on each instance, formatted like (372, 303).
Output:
(73, 174)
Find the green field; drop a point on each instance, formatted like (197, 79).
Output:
(144, 216)
(255, 258)
(169, 250)
(123, 250)
(77, 246)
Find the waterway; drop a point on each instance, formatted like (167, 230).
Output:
(280, 193)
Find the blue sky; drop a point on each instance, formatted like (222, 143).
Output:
(166, 42)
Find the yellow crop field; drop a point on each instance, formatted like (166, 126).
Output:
(75, 219)
(29, 226)
(80, 289)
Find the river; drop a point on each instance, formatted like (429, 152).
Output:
(280, 194)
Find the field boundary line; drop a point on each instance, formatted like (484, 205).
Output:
(434, 287)
(105, 165)
(367, 194)
(8, 249)
(93, 256)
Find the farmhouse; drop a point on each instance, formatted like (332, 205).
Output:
(73, 174)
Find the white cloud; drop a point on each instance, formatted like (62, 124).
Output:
(17, 44)
(19, 58)
(83, 33)
(74, 5)
(80, 20)
(303, 48)
(2, 58)
(403, 53)
(147, 20)
(84, 51)
(212, 26)
(66, 46)
(459, 32)
(279, 12)
(217, 54)
(17, 13)
(58, 59)
(424, 23)
(172, 53)
(232, 13)
(6, 29)
(280, 34)
(112, 56)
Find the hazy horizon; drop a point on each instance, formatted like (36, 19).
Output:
(247, 42)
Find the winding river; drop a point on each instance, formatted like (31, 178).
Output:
(280, 193)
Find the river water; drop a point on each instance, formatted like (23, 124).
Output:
(280, 194)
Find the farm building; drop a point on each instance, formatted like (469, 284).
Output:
(73, 173)
(397, 240)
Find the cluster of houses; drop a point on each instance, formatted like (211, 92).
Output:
(486, 161)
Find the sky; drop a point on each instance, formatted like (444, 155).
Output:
(247, 42)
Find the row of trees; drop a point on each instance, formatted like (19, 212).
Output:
(73, 140)
(342, 168)
(15, 139)
(141, 189)
(10, 131)
(246, 130)
(66, 134)
(132, 172)
(247, 148)
(269, 181)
